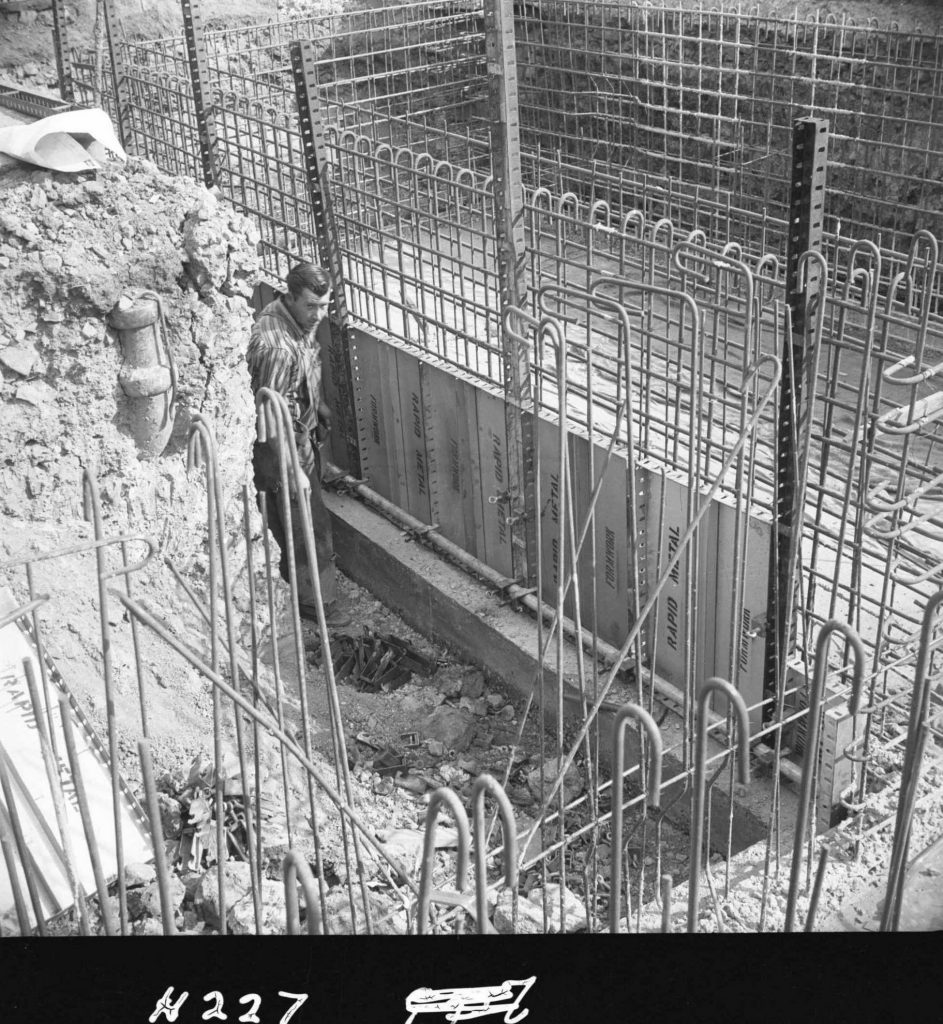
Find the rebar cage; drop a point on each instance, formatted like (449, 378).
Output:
(655, 307)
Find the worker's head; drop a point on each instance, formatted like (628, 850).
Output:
(309, 294)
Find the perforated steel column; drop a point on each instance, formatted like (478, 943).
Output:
(119, 78)
(202, 91)
(63, 57)
(509, 225)
(346, 451)
(806, 216)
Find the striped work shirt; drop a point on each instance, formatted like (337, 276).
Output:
(282, 357)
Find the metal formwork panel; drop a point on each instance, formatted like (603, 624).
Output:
(335, 447)
(375, 428)
(670, 510)
(452, 423)
(495, 532)
(413, 425)
(746, 668)
(610, 582)
(552, 546)
(390, 398)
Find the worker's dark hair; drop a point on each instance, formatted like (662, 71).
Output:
(310, 276)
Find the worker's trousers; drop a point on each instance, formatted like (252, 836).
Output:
(284, 508)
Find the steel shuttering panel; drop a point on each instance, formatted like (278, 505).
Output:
(550, 509)
(610, 584)
(495, 532)
(452, 422)
(374, 426)
(412, 422)
(680, 647)
(744, 667)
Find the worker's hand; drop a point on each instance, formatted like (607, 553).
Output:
(324, 421)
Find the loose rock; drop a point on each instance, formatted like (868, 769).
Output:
(452, 727)
(572, 781)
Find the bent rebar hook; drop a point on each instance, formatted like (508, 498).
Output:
(714, 684)
(296, 869)
(488, 784)
(442, 795)
(647, 723)
(812, 743)
(917, 729)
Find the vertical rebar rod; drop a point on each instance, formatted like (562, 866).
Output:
(157, 841)
(65, 712)
(511, 254)
(12, 829)
(93, 513)
(917, 731)
(812, 743)
(735, 701)
(202, 448)
(58, 800)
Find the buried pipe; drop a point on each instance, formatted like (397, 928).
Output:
(148, 376)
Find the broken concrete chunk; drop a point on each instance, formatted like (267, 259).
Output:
(452, 727)
(530, 920)
(572, 781)
(139, 874)
(473, 685)
(574, 910)
(449, 687)
(21, 359)
(37, 393)
(144, 901)
(171, 815)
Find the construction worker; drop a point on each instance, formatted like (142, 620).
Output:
(284, 355)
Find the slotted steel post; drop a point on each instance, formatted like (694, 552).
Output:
(202, 90)
(346, 449)
(60, 41)
(119, 76)
(509, 227)
(806, 216)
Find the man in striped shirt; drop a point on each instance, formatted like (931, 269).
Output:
(284, 355)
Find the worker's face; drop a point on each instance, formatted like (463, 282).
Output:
(309, 309)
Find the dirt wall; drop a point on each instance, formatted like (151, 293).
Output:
(70, 246)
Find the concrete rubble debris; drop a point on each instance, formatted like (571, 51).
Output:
(573, 782)
(453, 727)
(530, 912)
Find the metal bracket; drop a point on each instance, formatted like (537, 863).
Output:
(418, 533)
(506, 598)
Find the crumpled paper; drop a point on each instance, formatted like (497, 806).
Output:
(77, 140)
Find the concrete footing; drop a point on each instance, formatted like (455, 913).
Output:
(445, 603)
